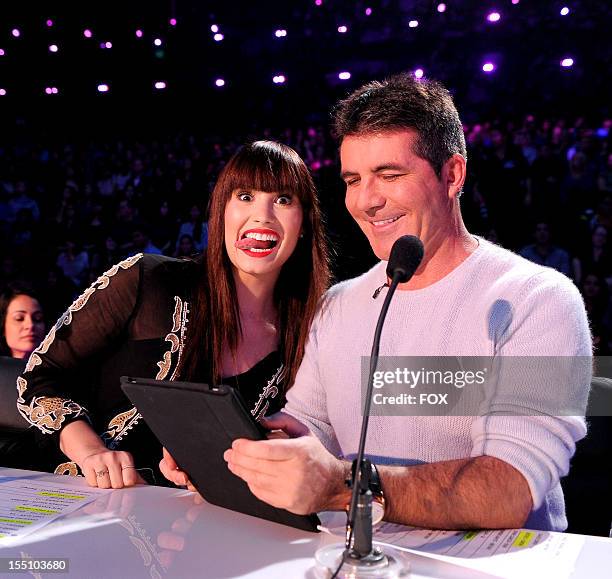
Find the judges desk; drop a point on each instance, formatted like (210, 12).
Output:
(153, 532)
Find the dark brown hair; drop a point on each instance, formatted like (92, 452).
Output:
(402, 102)
(7, 295)
(215, 320)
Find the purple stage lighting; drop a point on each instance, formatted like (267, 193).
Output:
(318, 2)
(48, 90)
(418, 73)
(413, 23)
(160, 85)
(157, 42)
(87, 33)
(103, 88)
(139, 33)
(16, 33)
(106, 44)
(494, 17)
(172, 21)
(441, 7)
(1, 51)
(54, 90)
(515, 1)
(2, 92)
(279, 79)
(567, 62)
(218, 37)
(53, 48)
(280, 33)
(214, 28)
(49, 23)
(488, 67)
(342, 29)
(564, 11)
(219, 82)
(368, 12)
(345, 75)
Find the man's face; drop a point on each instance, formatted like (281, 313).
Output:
(391, 192)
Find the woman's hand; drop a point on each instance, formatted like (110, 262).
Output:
(173, 473)
(110, 469)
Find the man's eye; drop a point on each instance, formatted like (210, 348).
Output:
(351, 182)
(390, 177)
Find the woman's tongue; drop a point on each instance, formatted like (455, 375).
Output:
(248, 243)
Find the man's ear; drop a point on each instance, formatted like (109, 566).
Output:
(453, 175)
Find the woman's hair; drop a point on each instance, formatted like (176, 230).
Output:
(215, 318)
(7, 295)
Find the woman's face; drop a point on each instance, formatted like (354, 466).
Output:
(261, 231)
(186, 246)
(24, 327)
(600, 235)
(590, 286)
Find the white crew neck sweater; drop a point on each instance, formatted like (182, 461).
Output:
(495, 303)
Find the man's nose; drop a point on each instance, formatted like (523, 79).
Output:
(369, 198)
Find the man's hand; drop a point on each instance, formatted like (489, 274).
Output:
(298, 475)
(171, 470)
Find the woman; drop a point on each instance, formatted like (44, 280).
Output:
(240, 314)
(23, 322)
(186, 247)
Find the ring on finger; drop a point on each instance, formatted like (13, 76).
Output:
(128, 466)
(101, 473)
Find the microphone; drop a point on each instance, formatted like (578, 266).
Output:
(359, 558)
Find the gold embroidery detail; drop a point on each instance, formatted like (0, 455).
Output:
(69, 468)
(21, 386)
(48, 413)
(176, 318)
(40, 411)
(164, 366)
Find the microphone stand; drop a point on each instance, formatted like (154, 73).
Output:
(360, 555)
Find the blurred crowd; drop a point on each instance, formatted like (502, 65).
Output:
(69, 211)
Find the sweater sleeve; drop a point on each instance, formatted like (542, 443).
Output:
(548, 331)
(47, 396)
(306, 399)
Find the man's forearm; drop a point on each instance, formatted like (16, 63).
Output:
(472, 493)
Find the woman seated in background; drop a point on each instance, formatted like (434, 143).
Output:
(241, 314)
(23, 322)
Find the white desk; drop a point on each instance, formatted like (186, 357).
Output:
(159, 532)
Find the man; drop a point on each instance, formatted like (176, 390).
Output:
(404, 163)
(544, 252)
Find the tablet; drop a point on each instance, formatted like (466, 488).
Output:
(197, 424)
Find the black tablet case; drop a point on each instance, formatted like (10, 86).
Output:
(197, 425)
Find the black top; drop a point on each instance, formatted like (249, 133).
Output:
(133, 321)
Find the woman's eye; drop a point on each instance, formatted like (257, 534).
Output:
(245, 196)
(284, 200)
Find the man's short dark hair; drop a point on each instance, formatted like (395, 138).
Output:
(403, 102)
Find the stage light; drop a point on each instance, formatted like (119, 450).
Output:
(368, 12)
(139, 33)
(214, 28)
(157, 42)
(344, 75)
(87, 33)
(418, 73)
(16, 33)
(515, 1)
(1, 51)
(53, 48)
(103, 88)
(280, 33)
(51, 90)
(160, 85)
(49, 23)
(172, 21)
(494, 17)
(218, 37)
(567, 62)
(488, 67)
(413, 23)
(441, 7)
(318, 2)
(219, 82)
(564, 11)
(106, 44)
(279, 79)
(2, 92)
(342, 29)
